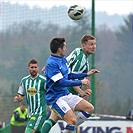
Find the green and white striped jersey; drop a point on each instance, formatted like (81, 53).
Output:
(77, 62)
(34, 90)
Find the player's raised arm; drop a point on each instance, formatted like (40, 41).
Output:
(93, 71)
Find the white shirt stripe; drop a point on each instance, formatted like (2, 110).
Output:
(57, 77)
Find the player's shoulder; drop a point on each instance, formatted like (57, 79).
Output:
(26, 77)
(42, 77)
(52, 60)
(77, 51)
(55, 61)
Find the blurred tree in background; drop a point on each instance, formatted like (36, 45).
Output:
(114, 54)
(30, 39)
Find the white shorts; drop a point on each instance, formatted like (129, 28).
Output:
(65, 103)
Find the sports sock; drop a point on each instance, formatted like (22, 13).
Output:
(48, 124)
(76, 129)
(37, 132)
(28, 130)
(69, 129)
(81, 117)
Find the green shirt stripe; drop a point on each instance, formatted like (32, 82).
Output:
(34, 90)
(77, 62)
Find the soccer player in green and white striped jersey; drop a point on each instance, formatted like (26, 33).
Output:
(33, 87)
(78, 60)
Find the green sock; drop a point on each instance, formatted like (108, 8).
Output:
(48, 124)
(28, 130)
(38, 132)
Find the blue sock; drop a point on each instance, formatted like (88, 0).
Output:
(70, 128)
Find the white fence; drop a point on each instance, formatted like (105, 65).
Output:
(99, 126)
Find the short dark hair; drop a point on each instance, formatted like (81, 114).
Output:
(23, 104)
(87, 37)
(32, 61)
(56, 43)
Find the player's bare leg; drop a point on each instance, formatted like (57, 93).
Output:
(86, 109)
(70, 119)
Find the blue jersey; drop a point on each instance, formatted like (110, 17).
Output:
(58, 78)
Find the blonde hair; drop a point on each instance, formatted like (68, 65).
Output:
(87, 37)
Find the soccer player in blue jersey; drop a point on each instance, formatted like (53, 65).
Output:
(58, 78)
(77, 62)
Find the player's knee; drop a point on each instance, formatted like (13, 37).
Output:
(90, 109)
(73, 121)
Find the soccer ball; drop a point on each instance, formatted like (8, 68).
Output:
(75, 12)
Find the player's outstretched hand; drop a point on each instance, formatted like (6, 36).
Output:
(92, 72)
(85, 82)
